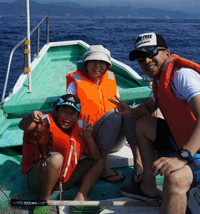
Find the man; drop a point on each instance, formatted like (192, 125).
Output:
(169, 146)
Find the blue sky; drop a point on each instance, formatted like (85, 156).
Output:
(182, 2)
(176, 3)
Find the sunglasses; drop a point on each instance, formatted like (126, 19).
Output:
(150, 54)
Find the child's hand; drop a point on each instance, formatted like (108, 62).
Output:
(87, 127)
(36, 115)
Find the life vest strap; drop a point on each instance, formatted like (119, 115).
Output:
(77, 77)
(166, 63)
(111, 76)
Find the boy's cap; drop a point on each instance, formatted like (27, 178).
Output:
(145, 43)
(70, 100)
(97, 52)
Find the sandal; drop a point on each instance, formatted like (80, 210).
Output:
(138, 177)
(136, 193)
(114, 182)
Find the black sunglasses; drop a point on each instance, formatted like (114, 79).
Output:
(150, 54)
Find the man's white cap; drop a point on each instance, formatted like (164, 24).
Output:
(97, 52)
(146, 42)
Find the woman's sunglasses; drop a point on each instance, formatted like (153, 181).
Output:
(150, 54)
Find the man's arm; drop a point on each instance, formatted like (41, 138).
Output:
(172, 164)
(149, 107)
(193, 143)
(146, 108)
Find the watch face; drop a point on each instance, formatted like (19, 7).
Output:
(184, 154)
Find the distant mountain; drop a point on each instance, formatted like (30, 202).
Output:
(71, 9)
(184, 6)
(68, 4)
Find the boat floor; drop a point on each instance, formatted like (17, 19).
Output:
(101, 190)
(122, 161)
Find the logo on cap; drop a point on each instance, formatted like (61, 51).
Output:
(146, 40)
(71, 99)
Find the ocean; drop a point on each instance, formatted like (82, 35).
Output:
(117, 35)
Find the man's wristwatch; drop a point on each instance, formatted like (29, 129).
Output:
(185, 154)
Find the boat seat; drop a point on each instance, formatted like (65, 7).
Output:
(10, 133)
(15, 108)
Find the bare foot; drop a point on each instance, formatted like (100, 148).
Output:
(43, 198)
(109, 172)
(149, 189)
(138, 174)
(80, 197)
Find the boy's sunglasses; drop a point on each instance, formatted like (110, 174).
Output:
(150, 54)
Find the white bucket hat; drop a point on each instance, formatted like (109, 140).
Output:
(97, 52)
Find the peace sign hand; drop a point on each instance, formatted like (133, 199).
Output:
(87, 127)
(121, 107)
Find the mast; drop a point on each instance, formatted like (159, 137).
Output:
(28, 69)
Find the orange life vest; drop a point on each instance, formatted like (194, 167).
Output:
(71, 147)
(94, 99)
(177, 113)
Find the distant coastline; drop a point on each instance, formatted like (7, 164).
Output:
(70, 9)
(96, 17)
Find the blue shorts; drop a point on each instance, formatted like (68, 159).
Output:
(166, 147)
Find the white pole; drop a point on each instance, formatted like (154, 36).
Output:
(29, 46)
(103, 203)
(15, 202)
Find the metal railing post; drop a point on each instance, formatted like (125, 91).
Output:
(47, 23)
(29, 45)
(25, 58)
(38, 41)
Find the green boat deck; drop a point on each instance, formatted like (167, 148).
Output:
(48, 80)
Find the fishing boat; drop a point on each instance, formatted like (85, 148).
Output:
(41, 83)
(39, 89)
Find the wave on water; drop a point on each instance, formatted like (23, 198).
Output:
(118, 35)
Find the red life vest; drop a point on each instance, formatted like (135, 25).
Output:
(71, 147)
(94, 99)
(177, 113)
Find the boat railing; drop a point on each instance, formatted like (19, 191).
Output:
(25, 55)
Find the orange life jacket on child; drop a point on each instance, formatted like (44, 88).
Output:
(177, 113)
(94, 99)
(71, 147)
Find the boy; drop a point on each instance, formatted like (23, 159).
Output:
(68, 134)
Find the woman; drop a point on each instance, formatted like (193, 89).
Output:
(94, 86)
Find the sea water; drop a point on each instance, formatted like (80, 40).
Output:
(118, 35)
